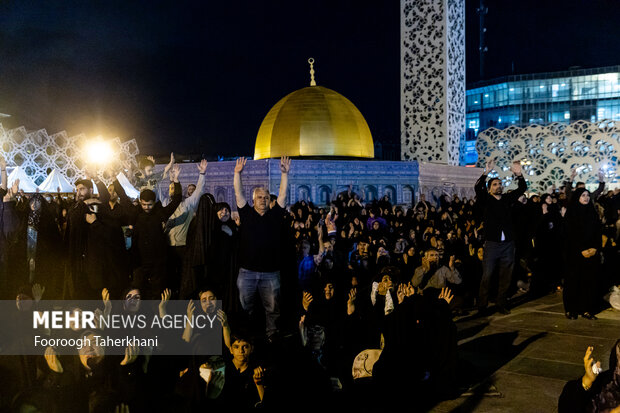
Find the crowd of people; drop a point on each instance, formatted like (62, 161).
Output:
(352, 303)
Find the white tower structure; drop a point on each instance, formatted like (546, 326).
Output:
(432, 67)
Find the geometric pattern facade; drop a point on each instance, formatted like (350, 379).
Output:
(39, 153)
(456, 90)
(550, 152)
(432, 80)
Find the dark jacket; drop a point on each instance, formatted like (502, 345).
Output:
(149, 243)
(497, 213)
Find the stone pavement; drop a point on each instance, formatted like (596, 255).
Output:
(520, 362)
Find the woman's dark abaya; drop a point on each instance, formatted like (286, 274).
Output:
(583, 231)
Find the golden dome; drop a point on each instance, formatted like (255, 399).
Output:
(314, 121)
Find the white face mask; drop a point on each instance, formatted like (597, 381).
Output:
(206, 373)
(214, 379)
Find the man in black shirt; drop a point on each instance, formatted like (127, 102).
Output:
(499, 246)
(260, 246)
(149, 244)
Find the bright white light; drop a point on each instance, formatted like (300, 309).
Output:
(98, 152)
(563, 84)
(512, 89)
(542, 86)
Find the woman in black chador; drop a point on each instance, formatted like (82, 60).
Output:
(212, 253)
(583, 243)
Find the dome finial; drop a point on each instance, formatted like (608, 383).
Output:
(312, 82)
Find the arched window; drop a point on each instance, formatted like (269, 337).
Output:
(303, 193)
(220, 194)
(390, 191)
(325, 193)
(407, 194)
(370, 192)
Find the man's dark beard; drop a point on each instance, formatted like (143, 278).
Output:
(433, 267)
(426, 278)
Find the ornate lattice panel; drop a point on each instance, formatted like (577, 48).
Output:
(39, 153)
(432, 79)
(548, 153)
(455, 78)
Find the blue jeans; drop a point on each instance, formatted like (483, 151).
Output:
(267, 285)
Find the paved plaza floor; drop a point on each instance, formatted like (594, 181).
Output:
(520, 362)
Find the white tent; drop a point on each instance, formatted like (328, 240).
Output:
(25, 183)
(54, 181)
(122, 179)
(129, 189)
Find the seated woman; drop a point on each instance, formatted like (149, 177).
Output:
(321, 326)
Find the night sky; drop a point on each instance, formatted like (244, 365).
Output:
(197, 77)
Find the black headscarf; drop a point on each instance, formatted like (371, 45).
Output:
(609, 396)
(582, 223)
(34, 216)
(200, 233)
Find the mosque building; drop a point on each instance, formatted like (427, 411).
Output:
(332, 148)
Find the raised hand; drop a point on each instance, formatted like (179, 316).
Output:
(2, 163)
(37, 292)
(545, 208)
(573, 174)
(601, 175)
(171, 158)
(306, 300)
(150, 158)
(259, 374)
(446, 294)
(563, 211)
(221, 316)
(516, 168)
(400, 293)
(190, 309)
(165, 297)
(202, 166)
(51, 358)
(451, 263)
(122, 408)
(15, 187)
(240, 165)
(174, 173)
(352, 296)
(409, 290)
(490, 165)
(285, 164)
(105, 297)
(589, 375)
(131, 354)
